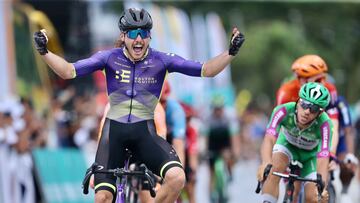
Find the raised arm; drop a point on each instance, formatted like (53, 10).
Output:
(59, 65)
(215, 65)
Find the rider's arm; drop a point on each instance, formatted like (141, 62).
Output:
(322, 168)
(63, 68)
(344, 111)
(272, 132)
(59, 65)
(211, 67)
(323, 154)
(215, 65)
(335, 135)
(266, 148)
(349, 138)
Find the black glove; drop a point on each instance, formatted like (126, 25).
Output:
(236, 43)
(40, 41)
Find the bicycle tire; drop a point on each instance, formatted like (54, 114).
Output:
(288, 196)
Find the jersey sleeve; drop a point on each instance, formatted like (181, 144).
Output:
(326, 136)
(344, 111)
(332, 110)
(94, 63)
(175, 63)
(277, 116)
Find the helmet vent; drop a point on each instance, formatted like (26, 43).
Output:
(314, 67)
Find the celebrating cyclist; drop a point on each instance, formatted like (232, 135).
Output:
(134, 77)
(299, 131)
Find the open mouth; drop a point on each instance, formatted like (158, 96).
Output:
(138, 48)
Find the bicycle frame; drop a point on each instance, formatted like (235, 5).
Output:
(121, 183)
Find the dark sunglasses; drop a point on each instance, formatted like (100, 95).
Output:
(308, 105)
(132, 34)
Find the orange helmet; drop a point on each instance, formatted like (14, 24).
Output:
(308, 66)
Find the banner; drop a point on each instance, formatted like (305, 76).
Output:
(60, 173)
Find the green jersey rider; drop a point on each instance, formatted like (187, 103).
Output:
(299, 131)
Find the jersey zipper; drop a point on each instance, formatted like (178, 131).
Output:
(132, 94)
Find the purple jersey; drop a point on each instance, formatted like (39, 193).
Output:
(134, 88)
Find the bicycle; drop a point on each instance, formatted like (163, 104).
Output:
(291, 177)
(127, 187)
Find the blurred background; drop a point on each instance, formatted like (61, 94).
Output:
(49, 126)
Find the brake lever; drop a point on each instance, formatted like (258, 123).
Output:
(150, 177)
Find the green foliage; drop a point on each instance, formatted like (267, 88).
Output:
(267, 54)
(277, 33)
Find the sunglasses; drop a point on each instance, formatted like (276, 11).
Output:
(308, 105)
(132, 34)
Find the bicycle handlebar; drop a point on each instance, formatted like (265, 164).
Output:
(119, 172)
(319, 182)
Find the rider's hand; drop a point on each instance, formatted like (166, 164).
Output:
(332, 165)
(351, 159)
(260, 172)
(324, 196)
(40, 41)
(236, 41)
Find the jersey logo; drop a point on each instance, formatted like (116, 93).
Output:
(125, 75)
(315, 92)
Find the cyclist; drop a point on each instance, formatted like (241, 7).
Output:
(191, 153)
(219, 145)
(345, 148)
(135, 74)
(311, 68)
(175, 121)
(299, 131)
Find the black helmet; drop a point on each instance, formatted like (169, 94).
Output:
(133, 18)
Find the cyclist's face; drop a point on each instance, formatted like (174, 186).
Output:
(305, 116)
(136, 47)
(320, 78)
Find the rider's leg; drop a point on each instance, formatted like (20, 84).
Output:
(110, 153)
(271, 186)
(159, 156)
(174, 182)
(190, 190)
(311, 193)
(103, 196)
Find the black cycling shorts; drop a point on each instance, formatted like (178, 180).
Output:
(141, 139)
